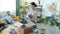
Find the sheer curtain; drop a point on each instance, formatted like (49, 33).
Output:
(8, 5)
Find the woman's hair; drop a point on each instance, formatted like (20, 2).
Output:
(34, 4)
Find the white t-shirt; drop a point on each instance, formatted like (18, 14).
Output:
(31, 12)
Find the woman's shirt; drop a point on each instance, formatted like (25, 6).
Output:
(33, 13)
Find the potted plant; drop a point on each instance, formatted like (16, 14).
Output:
(23, 9)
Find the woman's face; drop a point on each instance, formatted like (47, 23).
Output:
(32, 6)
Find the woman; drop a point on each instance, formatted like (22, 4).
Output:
(32, 12)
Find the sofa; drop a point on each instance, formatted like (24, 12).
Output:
(2, 25)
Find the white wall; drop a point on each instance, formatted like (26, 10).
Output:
(36, 1)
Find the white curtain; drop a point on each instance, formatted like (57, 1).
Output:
(8, 5)
(46, 3)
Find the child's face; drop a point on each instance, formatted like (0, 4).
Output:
(8, 13)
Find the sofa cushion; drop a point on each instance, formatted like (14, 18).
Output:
(17, 18)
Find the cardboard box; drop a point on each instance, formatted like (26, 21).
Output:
(28, 31)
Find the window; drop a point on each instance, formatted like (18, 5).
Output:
(24, 5)
(8, 5)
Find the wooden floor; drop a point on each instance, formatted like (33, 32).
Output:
(6, 31)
